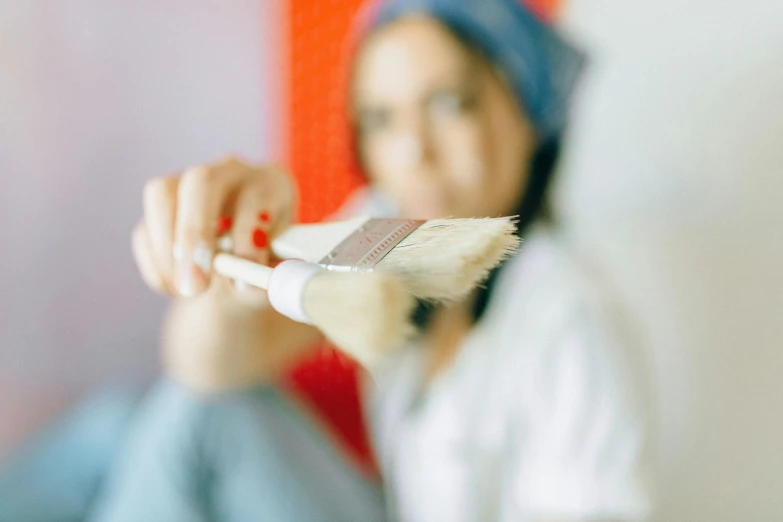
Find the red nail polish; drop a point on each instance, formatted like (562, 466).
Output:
(224, 225)
(260, 239)
(263, 217)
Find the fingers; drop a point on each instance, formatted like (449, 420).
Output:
(249, 235)
(207, 195)
(160, 200)
(184, 217)
(148, 268)
(203, 196)
(261, 211)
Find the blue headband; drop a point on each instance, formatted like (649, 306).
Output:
(541, 66)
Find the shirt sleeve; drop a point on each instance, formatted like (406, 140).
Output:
(581, 446)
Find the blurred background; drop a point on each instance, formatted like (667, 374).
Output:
(671, 181)
(95, 98)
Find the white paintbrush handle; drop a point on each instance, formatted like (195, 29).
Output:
(241, 269)
(285, 283)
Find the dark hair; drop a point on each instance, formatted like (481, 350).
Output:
(534, 205)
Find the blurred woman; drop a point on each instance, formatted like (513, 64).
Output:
(516, 404)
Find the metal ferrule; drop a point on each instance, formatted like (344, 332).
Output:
(364, 248)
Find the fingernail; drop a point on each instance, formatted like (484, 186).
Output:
(260, 238)
(225, 244)
(193, 268)
(224, 225)
(202, 258)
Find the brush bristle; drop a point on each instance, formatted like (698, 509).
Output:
(365, 314)
(445, 259)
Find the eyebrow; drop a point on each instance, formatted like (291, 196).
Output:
(460, 71)
(462, 74)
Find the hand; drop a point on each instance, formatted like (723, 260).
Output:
(230, 205)
(218, 335)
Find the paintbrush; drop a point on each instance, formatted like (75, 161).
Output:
(366, 314)
(437, 260)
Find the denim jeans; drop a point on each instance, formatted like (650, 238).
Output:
(180, 456)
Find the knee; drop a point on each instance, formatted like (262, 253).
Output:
(179, 412)
(172, 397)
(102, 420)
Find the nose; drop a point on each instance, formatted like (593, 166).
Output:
(414, 147)
(407, 150)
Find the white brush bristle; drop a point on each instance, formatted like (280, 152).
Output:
(445, 259)
(365, 314)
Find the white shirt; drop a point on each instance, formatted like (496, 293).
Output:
(542, 415)
(538, 417)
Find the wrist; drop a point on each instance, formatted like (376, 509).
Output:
(214, 345)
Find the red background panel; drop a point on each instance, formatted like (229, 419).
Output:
(318, 154)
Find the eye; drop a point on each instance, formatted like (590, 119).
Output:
(450, 103)
(374, 120)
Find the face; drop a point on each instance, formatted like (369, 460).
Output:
(439, 130)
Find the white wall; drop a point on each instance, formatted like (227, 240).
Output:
(96, 97)
(674, 181)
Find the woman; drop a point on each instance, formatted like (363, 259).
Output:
(516, 404)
